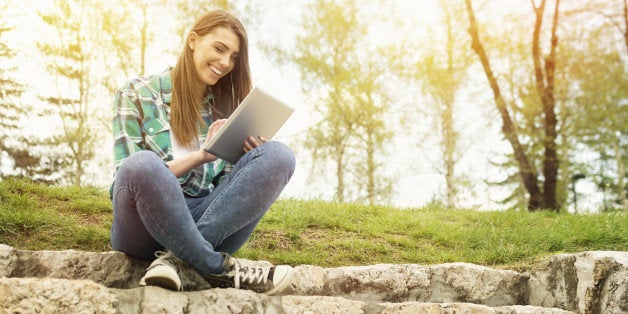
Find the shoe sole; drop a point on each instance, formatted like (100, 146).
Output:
(164, 283)
(282, 285)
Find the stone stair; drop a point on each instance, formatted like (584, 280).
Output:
(91, 282)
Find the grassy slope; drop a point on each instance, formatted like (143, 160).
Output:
(328, 234)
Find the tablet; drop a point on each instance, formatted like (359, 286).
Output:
(259, 114)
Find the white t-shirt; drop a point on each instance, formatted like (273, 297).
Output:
(180, 151)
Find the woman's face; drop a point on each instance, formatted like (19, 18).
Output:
(214, 54)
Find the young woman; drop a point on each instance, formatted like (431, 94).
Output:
(173, 200)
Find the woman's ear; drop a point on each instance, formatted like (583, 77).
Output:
(192, 40)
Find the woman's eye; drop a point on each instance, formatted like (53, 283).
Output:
(218, 49)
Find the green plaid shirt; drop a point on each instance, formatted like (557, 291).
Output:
(141, 121)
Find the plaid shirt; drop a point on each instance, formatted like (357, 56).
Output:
(141, 121)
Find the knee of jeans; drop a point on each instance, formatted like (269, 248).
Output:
(282, 156)
(139, 163)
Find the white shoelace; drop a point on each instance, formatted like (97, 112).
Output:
(251, 274)
(165, 259)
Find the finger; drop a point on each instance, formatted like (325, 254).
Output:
(263, 139)
(247, 146)
(253, 141)
(219, 122)
(217, 125)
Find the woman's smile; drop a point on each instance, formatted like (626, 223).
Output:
(215, 70)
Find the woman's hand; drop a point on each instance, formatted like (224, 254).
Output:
(182, 165)
(252, 142)
(213, 129)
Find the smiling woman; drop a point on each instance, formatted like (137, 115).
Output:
(209, 54)
(215, 54)
(172, 199)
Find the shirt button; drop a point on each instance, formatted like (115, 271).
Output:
(150, 130)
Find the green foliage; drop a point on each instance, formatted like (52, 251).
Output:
(599, 117)
(91, 45)
(343, 75)
(590, 94)
(71, 55)
(441, 70)
(12, 112)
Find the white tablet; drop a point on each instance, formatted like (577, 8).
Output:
(259, 114)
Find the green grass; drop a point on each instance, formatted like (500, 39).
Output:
(38, 217)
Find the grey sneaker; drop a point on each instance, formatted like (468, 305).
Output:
(163, 272)
(239, 274)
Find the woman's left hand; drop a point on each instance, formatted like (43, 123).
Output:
(252, 142)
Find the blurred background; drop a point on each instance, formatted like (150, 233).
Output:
(483, 104)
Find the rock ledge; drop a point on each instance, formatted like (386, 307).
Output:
(89, 282)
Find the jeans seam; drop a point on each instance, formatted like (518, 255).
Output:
(236, 176)
(138, 201)
(158, 226)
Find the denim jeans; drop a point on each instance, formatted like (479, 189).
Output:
(150, 212)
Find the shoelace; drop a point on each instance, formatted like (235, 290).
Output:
(165, 257)
(249, 274)
(159, 254)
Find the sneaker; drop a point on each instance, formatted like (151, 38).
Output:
(239, 274)
(163, 272)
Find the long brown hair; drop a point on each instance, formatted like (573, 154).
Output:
(188, 90)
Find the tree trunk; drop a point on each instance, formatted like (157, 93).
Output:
(620, 173)
(526, 171)
(447, 119)
(545, 77)
(370, 169)
(449, 138)
(143, 41)
(626, 23)
(340, 187)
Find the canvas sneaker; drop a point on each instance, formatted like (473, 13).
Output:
(240, 274)
(163, 272)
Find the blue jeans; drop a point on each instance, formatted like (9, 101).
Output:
(150, 212)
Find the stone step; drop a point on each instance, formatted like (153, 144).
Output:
(587, 282)
(37, 295)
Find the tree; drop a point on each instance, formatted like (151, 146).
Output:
(13, 111)
(567, 104)
(441, 71)
(542, 193)
(626, 24)
(345, 86)
(322, 56)
(76, 58)
(129, 38)
(371, 99)
(10, 90)
(598, 112)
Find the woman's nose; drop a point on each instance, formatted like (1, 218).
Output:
(225, 61)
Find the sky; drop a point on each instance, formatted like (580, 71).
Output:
(416, 182)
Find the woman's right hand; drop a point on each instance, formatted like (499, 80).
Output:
(182, 165)
(213, 129)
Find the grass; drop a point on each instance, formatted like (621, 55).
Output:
(40, 217)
